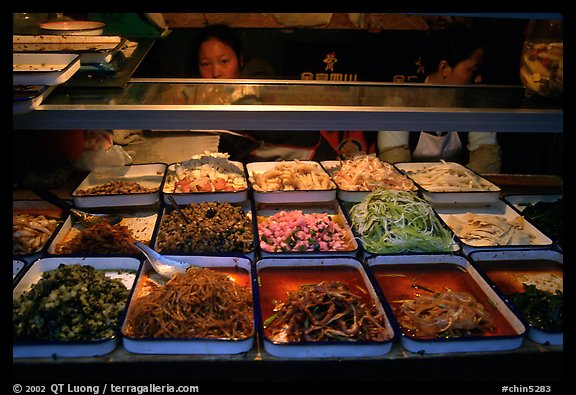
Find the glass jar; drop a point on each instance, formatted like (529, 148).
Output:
(542, 62)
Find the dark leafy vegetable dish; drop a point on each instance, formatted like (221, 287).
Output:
(213, 227)
(71, 303)
(548, 217)
(535, 287)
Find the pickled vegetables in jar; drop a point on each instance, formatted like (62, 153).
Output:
(542, 62)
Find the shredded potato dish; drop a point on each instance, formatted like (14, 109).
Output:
(292, 176)
(367, 172)
(449, 177)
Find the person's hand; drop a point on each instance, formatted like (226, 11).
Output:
(397, 154)
(486, 159)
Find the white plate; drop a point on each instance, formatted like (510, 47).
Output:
(332, 349)
(484, 258)
(43, 68)
(469, 344)
(498, 208)
(74, 27)
(319, 195)
(194, 345)
(147, 175)
(76, 348)
(435, 195)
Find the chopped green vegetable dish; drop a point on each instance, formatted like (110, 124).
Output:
(543, 309)
(548, 217)
(391, 221)
(73, 302)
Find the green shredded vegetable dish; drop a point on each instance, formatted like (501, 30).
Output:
(391, 221)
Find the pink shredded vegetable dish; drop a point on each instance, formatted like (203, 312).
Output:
(294, 231)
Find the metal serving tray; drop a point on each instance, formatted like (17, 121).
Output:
(43, 68)
(149, 175)
(192, 345)
(331, 166)
(313, 195)
(140, 221)
(196, 197)
(125, 268)
(497, 208)
(523, 261)
(474, 281)
(436, 195)
(286, 274)
(332, 208)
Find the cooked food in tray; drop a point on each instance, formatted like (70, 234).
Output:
(31, 232)
(201, 303)
(390, 221)
(440, 301)
(100, 238)
(207, 227)
(489, 229)
(366, 173)
(293, 230)
(548, 217)
(291, 176)
(326, 311)
(447, 177)
(117, 187)
(71, 303)
(535, 287)
(209, 172)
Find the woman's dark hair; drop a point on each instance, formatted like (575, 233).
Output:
(453, 44)
(223, 33)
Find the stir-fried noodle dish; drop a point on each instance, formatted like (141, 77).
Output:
(444, 314)
(200, 303)
(327, 311)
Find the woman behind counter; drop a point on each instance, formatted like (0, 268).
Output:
(455, 57)
(220, 56)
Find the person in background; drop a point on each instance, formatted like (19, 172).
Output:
(454, 57)
(220, 56)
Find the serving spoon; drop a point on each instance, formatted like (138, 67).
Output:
(164, 266)
(85, 218)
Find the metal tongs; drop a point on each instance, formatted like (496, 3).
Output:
(85, 218)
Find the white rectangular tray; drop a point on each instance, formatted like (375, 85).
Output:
(91, 49)
(436, 195)
(140, 221)
(320, 195)
(335, 349)
(29, 97)
(535, 334)
(497, 208)
(147, 175)
(196, 197)
(43, 68)
(452, 345)
(331, 166)
(331, 208)
(117, 267)
(194, 345)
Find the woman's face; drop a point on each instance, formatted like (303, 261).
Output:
(217, 60)
(467, 71)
